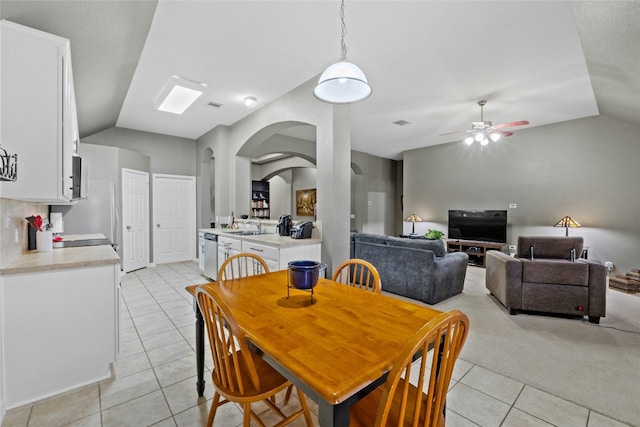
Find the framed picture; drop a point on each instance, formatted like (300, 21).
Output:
(306, 202)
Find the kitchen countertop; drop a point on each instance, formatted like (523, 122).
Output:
(269, 239)
(62, 258)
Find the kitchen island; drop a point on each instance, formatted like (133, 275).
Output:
(276, 250)
(60, 313)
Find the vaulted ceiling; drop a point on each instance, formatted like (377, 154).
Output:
(429, 62)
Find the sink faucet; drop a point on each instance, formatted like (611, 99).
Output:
(257, 224)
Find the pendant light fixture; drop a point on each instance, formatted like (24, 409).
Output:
(342, 82)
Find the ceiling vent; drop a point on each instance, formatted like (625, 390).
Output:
(401, 123)
(214, 104)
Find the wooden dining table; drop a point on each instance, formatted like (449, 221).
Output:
(336, 344)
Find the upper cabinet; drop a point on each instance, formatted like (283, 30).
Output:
(39, 121)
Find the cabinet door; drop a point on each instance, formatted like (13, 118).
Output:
(227, 248)
(35, 115)
(63, 321)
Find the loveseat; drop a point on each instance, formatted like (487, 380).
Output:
(420, 269)
(546, 276)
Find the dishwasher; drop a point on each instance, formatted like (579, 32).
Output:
(211, 256)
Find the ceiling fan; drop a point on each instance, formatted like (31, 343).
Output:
(483, 131)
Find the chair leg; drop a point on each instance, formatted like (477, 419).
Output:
(513, 311)
(214, 407)
(246, 419)
(287, 396)
(305, 407)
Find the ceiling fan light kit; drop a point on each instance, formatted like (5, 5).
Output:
(484, 131)
(342, 82)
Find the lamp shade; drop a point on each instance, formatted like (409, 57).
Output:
(567, 222)
(413, 218)
(342, 83)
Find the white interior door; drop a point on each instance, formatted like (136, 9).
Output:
(135, 219)
(174, 218)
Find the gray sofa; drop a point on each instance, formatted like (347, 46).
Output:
(415, 268)
(554, 281)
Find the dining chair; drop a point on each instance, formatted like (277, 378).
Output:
(239, 374)
(416, 389)
(242, 265)
(359, 273)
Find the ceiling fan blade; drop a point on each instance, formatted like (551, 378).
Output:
(457, 131)
(511, 124)
(503, 133)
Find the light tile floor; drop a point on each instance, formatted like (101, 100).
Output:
(153, 382)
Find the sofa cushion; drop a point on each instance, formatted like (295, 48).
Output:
(370, 238)
(435, 246)
(549, 246)
(556, 271)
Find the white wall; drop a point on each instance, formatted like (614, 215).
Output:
(585, 168)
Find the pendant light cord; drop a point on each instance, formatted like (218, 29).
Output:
(343, 45)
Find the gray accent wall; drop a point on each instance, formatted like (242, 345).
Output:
(586, 168)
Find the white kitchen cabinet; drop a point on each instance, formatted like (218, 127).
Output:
(39, 121)
(60, 330)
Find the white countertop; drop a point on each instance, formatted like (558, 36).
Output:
(266, 239)
(63, 258)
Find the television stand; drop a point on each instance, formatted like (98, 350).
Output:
(475, 249)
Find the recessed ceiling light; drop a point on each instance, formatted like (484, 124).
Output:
(401, 122)
(250, 101)
(178, 94)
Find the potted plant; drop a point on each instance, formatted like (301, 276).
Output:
(434, 234)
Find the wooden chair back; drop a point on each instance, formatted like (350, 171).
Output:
(440, 342)
(239, 374)
(416, 388)
(242, 265)
(359, 273)
(234, 372)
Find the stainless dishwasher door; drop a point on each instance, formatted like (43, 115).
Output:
(211, 256)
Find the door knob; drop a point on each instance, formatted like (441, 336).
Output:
(158, 225)
(128, 227)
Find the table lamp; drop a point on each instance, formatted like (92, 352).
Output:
(413, 218)
(567, 222)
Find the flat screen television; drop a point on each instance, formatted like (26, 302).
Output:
(484, 226)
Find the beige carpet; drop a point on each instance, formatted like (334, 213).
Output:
(596, 366)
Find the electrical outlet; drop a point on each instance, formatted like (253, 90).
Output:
(513, 205)
(512, 247)
(17, 235)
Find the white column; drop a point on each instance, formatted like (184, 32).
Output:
(333, 151)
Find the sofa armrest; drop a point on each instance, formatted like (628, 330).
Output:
(597, 287)
(450, 272)
(504, 278)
